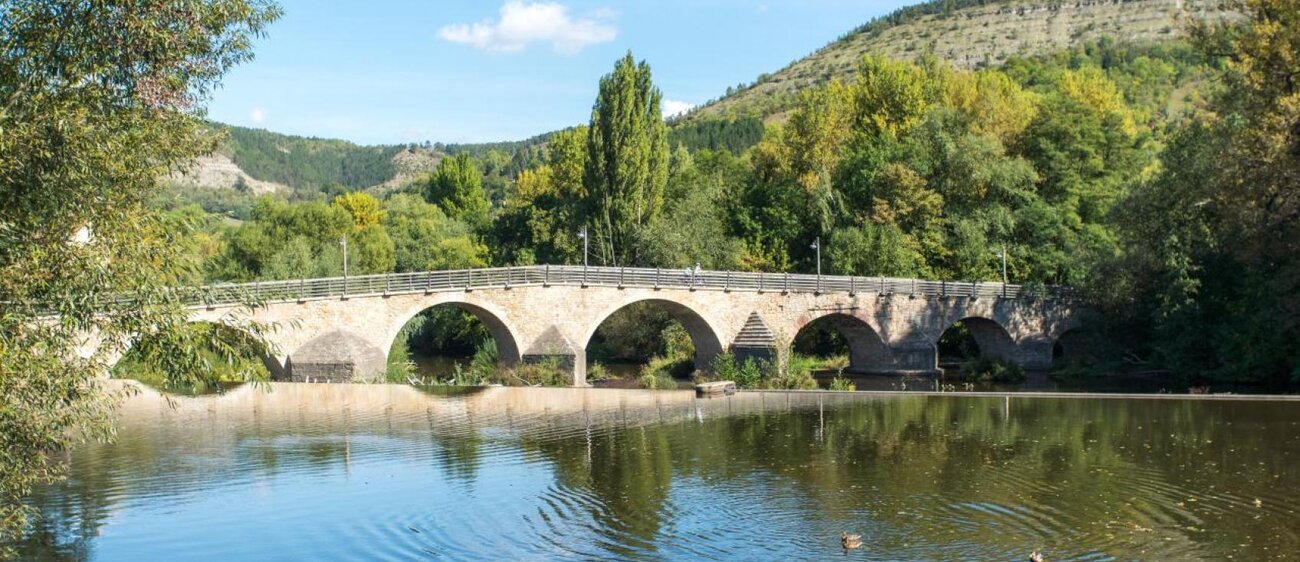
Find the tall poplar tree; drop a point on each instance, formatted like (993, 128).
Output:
(627, 164)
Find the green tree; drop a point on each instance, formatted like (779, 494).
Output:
(627, 160)
(97, 101)
(543, 214)
(426, 239)
(362, 207)
(457, 188)
(1209, 273)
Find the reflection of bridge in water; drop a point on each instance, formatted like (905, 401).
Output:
(342, 328)
(390, 405)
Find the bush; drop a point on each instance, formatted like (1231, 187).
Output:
(400, 367)
(843, 385)
(546, 373)
(598, 372)
(655, 380)
(747, 374)
(791, 380)
(988, 369)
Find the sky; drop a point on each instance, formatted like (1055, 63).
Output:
(457, 71)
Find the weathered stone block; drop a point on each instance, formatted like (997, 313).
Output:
(337, 356)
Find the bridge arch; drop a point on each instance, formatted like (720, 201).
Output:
(704, 335)
(991, 337)
(494, 319)
(866, 348)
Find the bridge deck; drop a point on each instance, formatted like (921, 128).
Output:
(547, 275)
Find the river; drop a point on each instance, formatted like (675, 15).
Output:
(390, 472)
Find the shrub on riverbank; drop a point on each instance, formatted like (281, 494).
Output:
(988, 369)
(746, 374)
(795, 373)
(655, 380)
(400, 368)
(662, 372)
(842, 384)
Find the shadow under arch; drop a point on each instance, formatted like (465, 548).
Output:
(220, 339)
(867, 351)
(502, 333)
(703, 336)
(992, 339)
(1075, 344)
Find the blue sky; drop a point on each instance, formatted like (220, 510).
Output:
(399, 71)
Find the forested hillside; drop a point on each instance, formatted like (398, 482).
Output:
(968, 34)
(963, 33)
(301, 161)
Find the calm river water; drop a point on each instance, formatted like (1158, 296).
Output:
(387, 472)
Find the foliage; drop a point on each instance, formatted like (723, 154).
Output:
(541, 216)
(627, 160)
(841, 384)
(426, 239)
(634, 333)
(988, 369)
(308, 162)
(362, 207)
(732, 135)
(1207, 280)
(233, 355)
(746, 374)
(788, 372)
(399, 368)
(597, 372)
(656, 379)
(457, 188)
(97, 101)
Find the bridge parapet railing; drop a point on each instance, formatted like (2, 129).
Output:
(545, 275)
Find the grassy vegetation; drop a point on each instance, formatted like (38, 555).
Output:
(788, 372)
(987, 369)
(842, 384)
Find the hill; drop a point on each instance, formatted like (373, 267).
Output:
(968, 34)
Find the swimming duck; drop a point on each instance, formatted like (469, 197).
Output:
(850, 542)
(1036, 556)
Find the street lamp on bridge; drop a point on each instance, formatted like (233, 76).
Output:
(1003, 254)
(583, 235)
(343, 241)
(585, 244)
(817, 245)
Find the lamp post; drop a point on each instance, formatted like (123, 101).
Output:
(583, 235)
(817, 245)
(585, 243)
(343, 241)
(1003, 254)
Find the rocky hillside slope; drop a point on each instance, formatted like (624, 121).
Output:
(969, 34)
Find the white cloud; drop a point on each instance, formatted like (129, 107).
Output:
(522, 23)
(673, 108)
(257, 115)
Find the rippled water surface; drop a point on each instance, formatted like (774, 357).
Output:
(337, 472)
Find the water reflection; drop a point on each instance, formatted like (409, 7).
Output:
(390, 472)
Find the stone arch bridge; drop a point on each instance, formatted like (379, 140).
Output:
(343, 328)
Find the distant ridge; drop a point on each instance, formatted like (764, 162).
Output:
(968, 34)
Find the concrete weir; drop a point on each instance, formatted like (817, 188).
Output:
(341, 329)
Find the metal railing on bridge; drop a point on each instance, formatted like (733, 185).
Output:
(580, 276)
